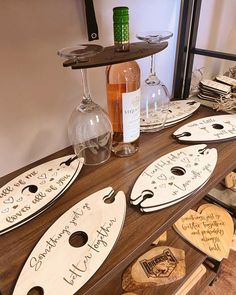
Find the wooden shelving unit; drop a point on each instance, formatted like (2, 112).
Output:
(139, 230)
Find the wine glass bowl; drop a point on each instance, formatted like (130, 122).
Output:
(155, 98)
(89, 129)
(90, 133)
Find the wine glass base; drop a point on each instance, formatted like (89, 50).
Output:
(121, 149)
(154, 36)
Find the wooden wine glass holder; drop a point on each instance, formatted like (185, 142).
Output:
(140, 229)
(109, 56)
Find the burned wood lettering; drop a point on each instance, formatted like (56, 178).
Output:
(79, 268)
(209, 230)
(159, 266)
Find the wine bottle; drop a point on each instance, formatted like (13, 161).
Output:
(123, 92)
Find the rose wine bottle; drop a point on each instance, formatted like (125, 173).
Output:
(123, 92)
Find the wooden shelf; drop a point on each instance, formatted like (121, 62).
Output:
(139, 229)
(109, 56)
(193, 258)
(206, 279)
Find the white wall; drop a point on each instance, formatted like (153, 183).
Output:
(37, 94)
(217, 31)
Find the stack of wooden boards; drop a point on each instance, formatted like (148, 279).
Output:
(220, 89)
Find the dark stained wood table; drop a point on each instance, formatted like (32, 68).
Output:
(139, 230)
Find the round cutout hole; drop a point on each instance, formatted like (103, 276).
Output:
(109, 200)
(186, 134)
(30, 188)
(78, 239)
(179, 171)
(218, 126)
(36, 291)
(147, 194)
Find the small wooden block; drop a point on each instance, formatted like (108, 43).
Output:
(210, 231)
(159, 266)
(230, 181)
(161, 238)
(192, 280)
(233, 246)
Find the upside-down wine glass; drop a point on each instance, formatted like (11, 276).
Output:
(155, 98)
(89, 128)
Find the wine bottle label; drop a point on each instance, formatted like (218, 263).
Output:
(131, 115)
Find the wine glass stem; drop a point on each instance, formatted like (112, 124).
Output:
(86, 94)
(152, 70)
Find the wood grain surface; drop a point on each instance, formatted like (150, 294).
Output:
(210, 230)
(226, 283)
(140, 229)
(162, 238)
(75, 246)
(159, 266)
(109, 56)
(194, 278)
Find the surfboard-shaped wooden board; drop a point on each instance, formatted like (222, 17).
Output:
(173, 177)
(75, 246)
(178, 111)
(32, 192)
(209, 129)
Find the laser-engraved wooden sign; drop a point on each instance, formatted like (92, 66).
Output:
(178, 111)
(75, 246)
(210, 230)
(159, 266)
(209, 129)
(173, 177)
(215, 86)
(32, 192)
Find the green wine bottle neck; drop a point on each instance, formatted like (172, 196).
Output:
(121, 28)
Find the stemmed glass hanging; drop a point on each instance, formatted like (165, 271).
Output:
(154, 94)
(90, 129)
